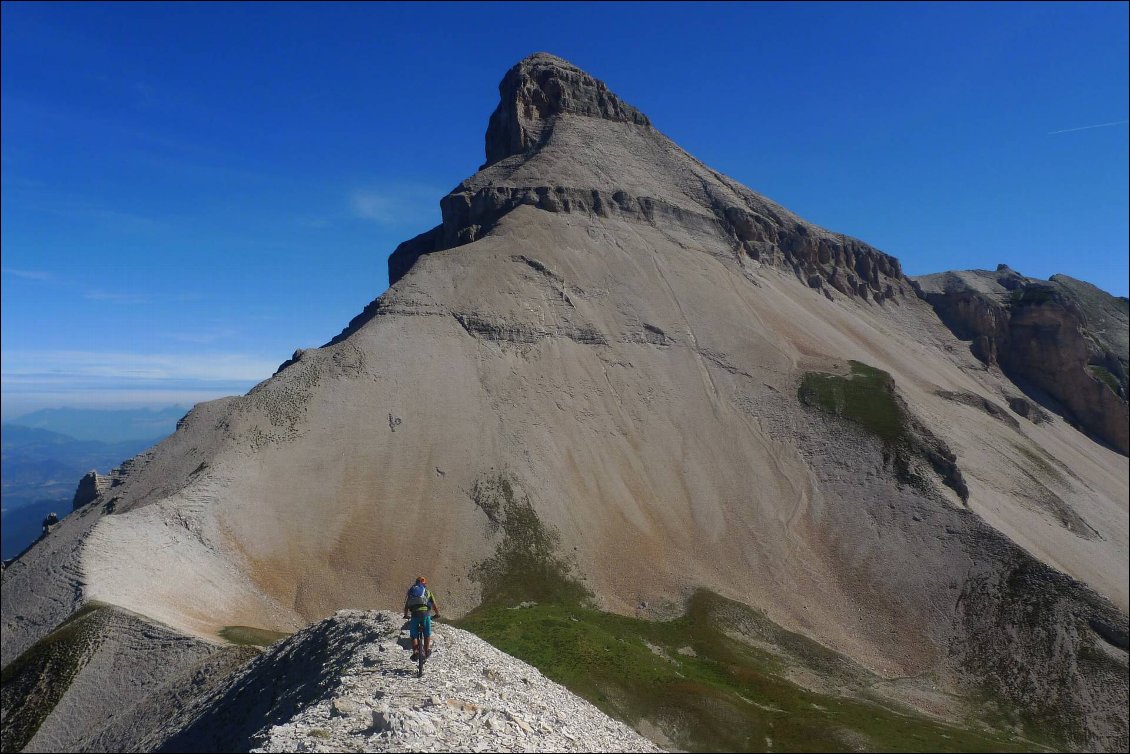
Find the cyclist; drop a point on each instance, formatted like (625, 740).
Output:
(418, 605)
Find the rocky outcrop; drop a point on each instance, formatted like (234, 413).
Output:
(981, 402)
(1048, 644)
(1062, 336)
(405, 255)
(540, 87)
(94, 486)
(90, 487)
(347, 684)
(823, 261)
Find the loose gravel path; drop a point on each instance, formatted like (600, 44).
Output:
(472, 697)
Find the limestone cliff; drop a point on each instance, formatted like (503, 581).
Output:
(1064, 337)
(550, 145)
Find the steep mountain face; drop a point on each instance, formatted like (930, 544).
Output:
(1064, 337)
(560, 142)
(613, 363)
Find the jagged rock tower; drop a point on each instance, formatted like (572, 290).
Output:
(652, 363)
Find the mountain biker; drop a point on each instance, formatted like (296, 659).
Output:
(418, 604)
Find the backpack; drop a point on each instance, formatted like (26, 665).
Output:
(418, 596)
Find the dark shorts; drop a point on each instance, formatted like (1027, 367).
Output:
(420, 621)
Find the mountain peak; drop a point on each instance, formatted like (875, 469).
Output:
(539, 88)
(560, 141)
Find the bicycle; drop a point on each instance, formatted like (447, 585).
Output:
(421, 652)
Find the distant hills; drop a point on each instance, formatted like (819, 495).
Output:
(105, 425)
(41, 467)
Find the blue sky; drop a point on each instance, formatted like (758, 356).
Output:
(192, 191)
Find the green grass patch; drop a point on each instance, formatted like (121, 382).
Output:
(250, 636)
(1104, 375)
(526, 564)
(32, 684)
(865, 397)
(725, 695)
(703, 690)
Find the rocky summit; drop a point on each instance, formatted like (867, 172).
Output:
(612, 378)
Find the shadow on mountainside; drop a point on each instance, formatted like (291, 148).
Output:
(232, 718)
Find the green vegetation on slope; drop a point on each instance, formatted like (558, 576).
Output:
(706, 691)
(526, 564)
(867, 398)
(691, 678)
(33, 683)
(1105, 376)
(250, 636)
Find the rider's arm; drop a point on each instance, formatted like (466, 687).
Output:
(434, 606)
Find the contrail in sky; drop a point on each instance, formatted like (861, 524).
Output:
(1084, 128)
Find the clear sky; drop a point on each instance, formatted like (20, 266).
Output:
(192, 191)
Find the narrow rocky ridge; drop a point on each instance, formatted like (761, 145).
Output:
(104, 680)
(347, 684)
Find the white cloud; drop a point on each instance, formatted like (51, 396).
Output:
(204, 335)
(15, 405)
(125, 297)
(28, 274)
(24, 366)
(402, 204)
(373, 206)
(44, 379)
(117, 298)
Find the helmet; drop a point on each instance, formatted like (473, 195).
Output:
(421, 580)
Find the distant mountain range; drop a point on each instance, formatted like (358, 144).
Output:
(40, 471)
(105, 425)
